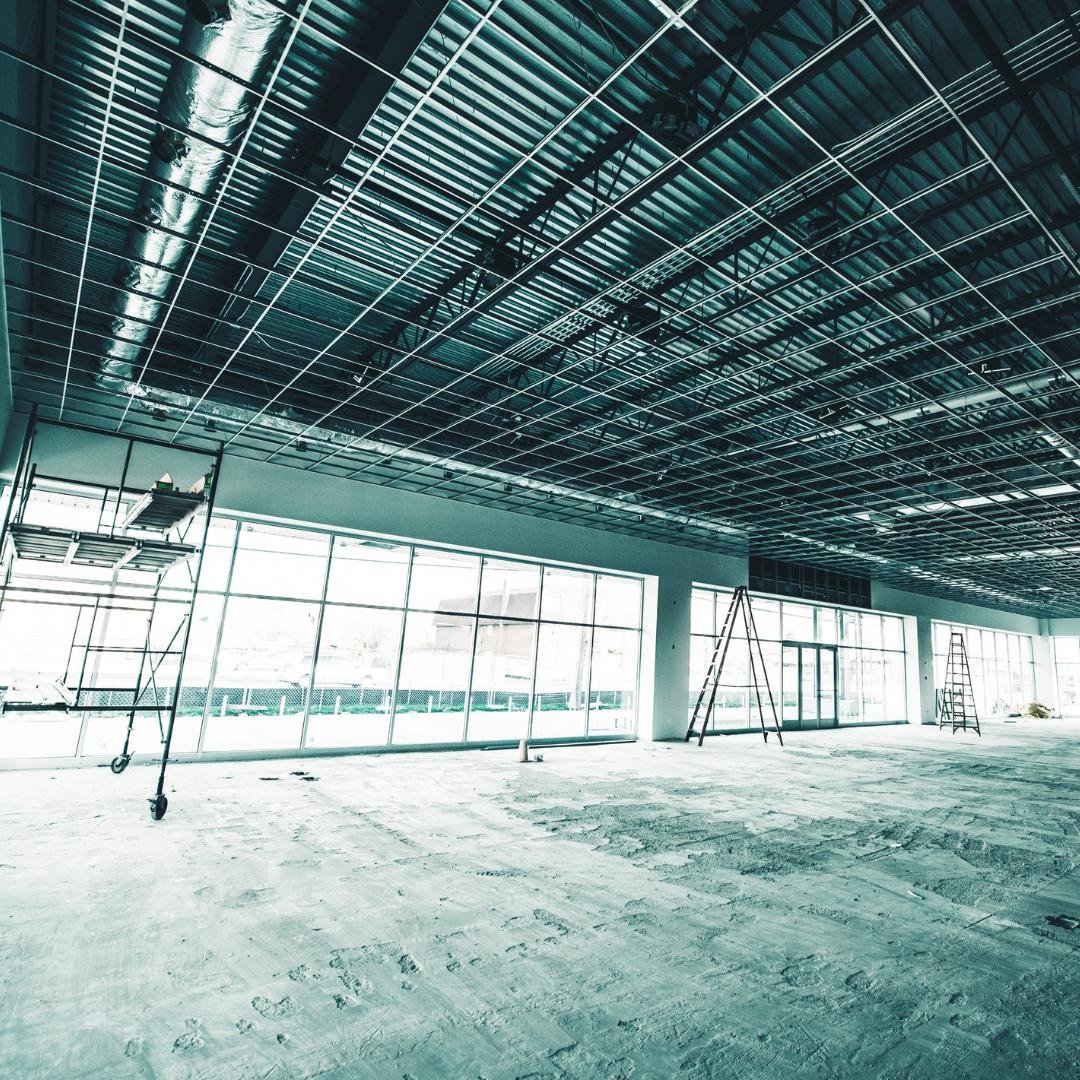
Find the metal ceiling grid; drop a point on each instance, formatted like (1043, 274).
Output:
(794, 275)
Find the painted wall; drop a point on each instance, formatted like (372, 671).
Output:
(887, 598)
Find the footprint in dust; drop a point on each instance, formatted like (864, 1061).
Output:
(1065, 922)
(191, 1039)
(244, 1026)
(133, 1047)
(299, 973)
(640, 922)
(265, 1007)
(553, 922)
(250, 896)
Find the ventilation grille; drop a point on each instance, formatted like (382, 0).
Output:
(808, 583)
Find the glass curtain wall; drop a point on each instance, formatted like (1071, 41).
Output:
(302, 638)
(1067, 673)
(1002, 667)
(825, 665)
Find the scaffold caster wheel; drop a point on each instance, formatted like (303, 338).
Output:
(119, 763)
(158, 807)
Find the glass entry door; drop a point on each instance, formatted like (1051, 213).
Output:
(808, 693)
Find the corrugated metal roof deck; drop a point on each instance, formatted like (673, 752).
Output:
(794, 275)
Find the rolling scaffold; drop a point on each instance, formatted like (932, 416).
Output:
(111, 552)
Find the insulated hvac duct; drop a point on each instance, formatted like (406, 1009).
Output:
(204, 111)
(231, 43)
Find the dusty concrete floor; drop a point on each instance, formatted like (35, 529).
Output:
(870, 902)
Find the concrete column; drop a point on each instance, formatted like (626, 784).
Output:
(924, 659)
(670, 656)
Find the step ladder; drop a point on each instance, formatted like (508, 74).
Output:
(739, 607)
(956, 703)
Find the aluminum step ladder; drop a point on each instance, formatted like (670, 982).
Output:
(739, 606)
(956, 705)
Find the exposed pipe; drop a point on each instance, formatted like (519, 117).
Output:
(231, 43)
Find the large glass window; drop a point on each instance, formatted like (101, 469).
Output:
(1067, 671)
(824, 665)
(444, 581)
(261, 676)
(1002, 667)
(509, 588)
(302, 638)
(568, 595)
(279, 562)
(613, 681)
(36, 646)
(434, 679)
(355, 675)
(368, 572)
(562, 682)
(502, 680)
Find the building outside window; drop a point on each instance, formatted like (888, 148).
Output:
(306, 638)
(1002, 667)
(825, 665)
(1067, 673)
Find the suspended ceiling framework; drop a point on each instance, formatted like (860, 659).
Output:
(798, 277)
